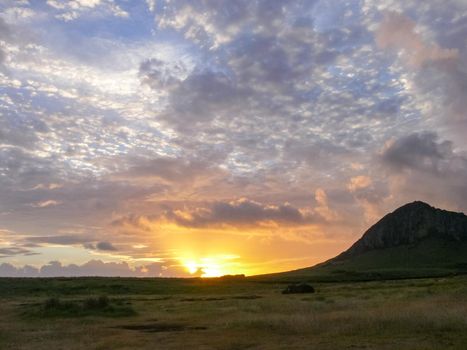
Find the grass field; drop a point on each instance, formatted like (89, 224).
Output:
(231, 314)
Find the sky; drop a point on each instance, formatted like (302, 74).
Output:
(207, 137)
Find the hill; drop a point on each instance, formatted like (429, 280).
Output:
(416, 240)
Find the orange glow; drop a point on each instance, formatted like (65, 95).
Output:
(212, 266)
(227, 250)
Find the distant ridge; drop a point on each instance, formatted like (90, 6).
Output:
(415, 240)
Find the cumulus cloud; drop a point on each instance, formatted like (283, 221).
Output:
(95, 268)
(8, 270)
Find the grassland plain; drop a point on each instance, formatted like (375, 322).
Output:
(232, 314)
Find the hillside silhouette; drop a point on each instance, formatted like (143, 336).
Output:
(415, 240)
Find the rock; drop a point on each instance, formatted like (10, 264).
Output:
(298, 289)
(410, 224)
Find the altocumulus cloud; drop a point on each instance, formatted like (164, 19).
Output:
(316, 113)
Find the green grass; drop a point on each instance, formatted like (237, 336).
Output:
(432, 257)
(115, 286)
(428, 313)
(91, 306)
(408, 297)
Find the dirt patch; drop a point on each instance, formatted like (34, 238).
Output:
(160, 327)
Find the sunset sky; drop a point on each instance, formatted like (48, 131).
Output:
(211, 137)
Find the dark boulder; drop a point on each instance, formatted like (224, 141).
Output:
(298, 289)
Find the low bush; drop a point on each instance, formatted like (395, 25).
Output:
(99, 303)
(92, 306)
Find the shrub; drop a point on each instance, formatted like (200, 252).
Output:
(97, 306)
(298, 289)
(99, 303)
(55, 304)
(52, 303)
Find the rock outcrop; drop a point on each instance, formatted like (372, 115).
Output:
(407, 225)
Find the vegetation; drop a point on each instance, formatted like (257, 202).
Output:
(431, 257)
(414, 241)
(224, 314)
(392, 290)
(91, 306)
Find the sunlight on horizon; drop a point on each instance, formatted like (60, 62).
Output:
(211, 266)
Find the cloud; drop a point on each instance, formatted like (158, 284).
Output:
(200, 98)
(359, 182)
(252, 72)
(46, 203)
(440, 79)
(12, 251)
(173, 170)
(241, 212)
(420, 151)
(73, 9)
(106, 246)
(370, 195)
(420, 165)
(323, 206)
(8, 270)
(283, 104)
(96, 268)
(160, 75)
(4, 35)
(139, 222)
(61, 240)
(151, 5)
(397, 31)
(86, 241)
(214, 27)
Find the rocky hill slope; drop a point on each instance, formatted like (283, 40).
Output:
(408, 225)
(415, 240)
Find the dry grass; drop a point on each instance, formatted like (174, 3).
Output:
(412, 314)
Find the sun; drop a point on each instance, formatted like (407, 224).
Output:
(205, 267)
(212, 266)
